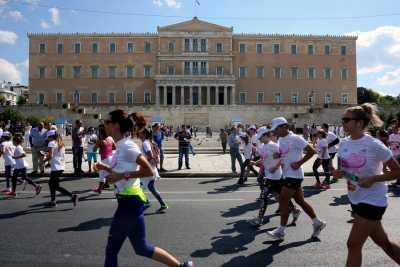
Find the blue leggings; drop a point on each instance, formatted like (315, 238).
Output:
(128, 222)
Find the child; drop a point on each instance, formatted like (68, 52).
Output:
(7, 151)
(322, 158)
(91, 153)
(20, 167)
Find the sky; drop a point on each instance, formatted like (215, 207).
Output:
(377, 24)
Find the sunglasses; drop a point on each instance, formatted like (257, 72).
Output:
(346, 120)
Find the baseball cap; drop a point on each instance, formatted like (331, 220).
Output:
(261, 131)
(278, 122)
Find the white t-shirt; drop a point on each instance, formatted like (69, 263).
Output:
(124, 160)
(291, 149)
(248, 150)
(330, 138)
(8, 153)
(91, 139)
(21, 162)
(364, 157)
(320, 146)
(146, 147)
(394, 144)
(267, 151)
(57, 161)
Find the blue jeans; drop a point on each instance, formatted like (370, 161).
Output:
(128, 222)
(183, 151)
(235, 155)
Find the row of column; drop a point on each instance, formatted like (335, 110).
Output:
(228, 97)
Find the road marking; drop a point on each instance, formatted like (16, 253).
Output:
(195, 200)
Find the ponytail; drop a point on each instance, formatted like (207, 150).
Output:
(139, 122)
(367, 113)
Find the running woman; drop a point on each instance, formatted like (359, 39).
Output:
(20, 168)
(333, 141)
(361, 158)
(128, 220)
(55, 157)
(291, 149)
(148, 148)
(323, 158)
(105, 144)
(7, 151)
(248, 154)
(272, 182)
(394, 144)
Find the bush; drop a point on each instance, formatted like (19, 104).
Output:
(21, 100)
(12, 115)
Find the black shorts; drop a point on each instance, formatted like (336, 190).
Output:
(292, 183)
(369, 212)
(273, 185)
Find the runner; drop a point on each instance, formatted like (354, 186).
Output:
(248, 155)
(7, 151)
(128, 220)
(291, 148)
(20, 167)
(322, 158)
(394, 144)
(55, 156)
(361, 158)
(272, 182)
(333, 140)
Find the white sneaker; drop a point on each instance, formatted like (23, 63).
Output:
(276, 234)
(296, 214)
(317, 229)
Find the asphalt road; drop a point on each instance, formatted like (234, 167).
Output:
(207, 221)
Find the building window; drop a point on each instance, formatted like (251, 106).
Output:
(147, 71)
(77, 97)
(295, 98)
(59, 98)
(343, 50)
(293, 49)
(42, 48)
(328, 73)
(129, 71)
(111, 98)
(187, 45)
(171, 47)
(113, 48)
(276, 49)
(147, 47)
(242, 48)
(203, 67)
(147, 97)
(77, 71)
(277, 98)
(242, 72)
(195, 45)
(94, 70)
(129, 98)
(328, 99)
(77, 48)
(60, 49)
(131, 48)
(195, 68)
(95, 48)
(171, 70)
(242, 98)
(95, 98)
(203, 45)
(294, 73)
(40, 99)
(112, 70)
(259, 48)
(311, 73)
(345, 99)
(260, 97)
(60, 72)
(220, 47)
(220, 70)
(277, 71)
(310, 98)
(42, 72)
(311, 49)
(187, 68)
(260, 72)
(343, 74)
(327, 50)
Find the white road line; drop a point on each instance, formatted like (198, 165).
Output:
(197, 200)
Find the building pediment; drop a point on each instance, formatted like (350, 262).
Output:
(194, 25)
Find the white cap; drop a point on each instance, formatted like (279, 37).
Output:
(253, 127)
(261, 131)
(278, 122)
(51, 133)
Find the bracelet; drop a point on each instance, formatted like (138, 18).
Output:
(127, 176)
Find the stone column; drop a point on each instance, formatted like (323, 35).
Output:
(225, 95)
(233, 95)
(200, 95)
(157, 96)
(191, 95)
(208, 96)
(165, 95)
(173, 95)
(216, 95)
(182, 95)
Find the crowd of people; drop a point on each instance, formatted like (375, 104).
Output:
(273, 152)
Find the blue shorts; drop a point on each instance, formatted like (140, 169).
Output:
(92, 156)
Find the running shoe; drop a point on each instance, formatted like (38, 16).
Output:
(276, 234)
(6, 190)
(318, 186)
(11, 194)
(51, 204)
(163, 207)
(278, 211)
(38, 189)
(296, 214)
(317, 228)
(147, 205)
(187, 264)
(97, 190)
(326, 186)
(75, 199)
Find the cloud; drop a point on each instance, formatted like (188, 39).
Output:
(372, 69)
(8, 37)
(9, 71)
(15, 15)
(390, 78)
(173, 3)
(44, 24)
(3, 2)
(55, 15)
(157, 3)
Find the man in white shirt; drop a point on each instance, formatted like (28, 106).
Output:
(333, 141)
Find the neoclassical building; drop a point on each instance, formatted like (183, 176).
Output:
(192, 65)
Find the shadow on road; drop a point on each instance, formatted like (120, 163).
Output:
(241, 209)
(310, 191)
(342, 200)
(230, 188)
(216, 180)
(41, 209)
(88, 226)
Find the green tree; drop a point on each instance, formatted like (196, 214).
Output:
(2, 100)
(21, 100)
(12, 115)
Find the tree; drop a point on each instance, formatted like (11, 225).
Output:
(365, 95)
(2, 100)
(21, 100)
(12, 115)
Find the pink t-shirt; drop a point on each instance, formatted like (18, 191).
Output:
(106, 148)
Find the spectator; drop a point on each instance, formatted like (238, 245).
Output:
(223, 136)
(158, 137)
(183, 138)
(91, 153)
(37, 140)
(77, 147)
(234, 149)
